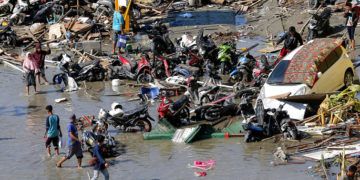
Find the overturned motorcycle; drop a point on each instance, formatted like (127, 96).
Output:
(270, 122)
(177, 113)
(91, 71)
(108, 148)
(131, 121)
(125, 68)
(226, 107)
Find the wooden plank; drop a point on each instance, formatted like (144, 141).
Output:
(280, 96)
(270, 49)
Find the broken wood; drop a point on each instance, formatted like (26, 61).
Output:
(80, 54)
(149, 7)
(63, 16)
(85, 36)
(31, 35)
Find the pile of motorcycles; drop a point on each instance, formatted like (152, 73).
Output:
(192, 59)
(191, 56)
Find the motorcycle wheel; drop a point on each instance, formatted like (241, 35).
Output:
(213, 113)
(160, 73)
(91, 77)
(136, 13)
(13, 41)
(232, 80)
(143, 124)
(56, 76)
(144, 78)
(248, 137)
(293, 134)
(184, 114)
(259, 112)
(100, 76)
(5, 9)
(205, 99)
(313, 4)
(101, 10)
(19, 19)
(156, 3)
(310, 35)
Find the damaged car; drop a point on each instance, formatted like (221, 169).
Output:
(321, 66)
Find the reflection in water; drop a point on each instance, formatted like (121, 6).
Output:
(91, 90)
(36, 115)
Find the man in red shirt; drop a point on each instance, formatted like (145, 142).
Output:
(39, 57)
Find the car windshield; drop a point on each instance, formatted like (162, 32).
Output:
(278, 74)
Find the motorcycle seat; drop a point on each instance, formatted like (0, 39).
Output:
(179, 103)
(134, 112)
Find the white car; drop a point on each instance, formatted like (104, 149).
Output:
(320, 66)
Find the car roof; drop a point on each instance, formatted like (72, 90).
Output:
(303, 60)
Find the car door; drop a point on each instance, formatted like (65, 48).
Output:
(328, 81)
(337, 66)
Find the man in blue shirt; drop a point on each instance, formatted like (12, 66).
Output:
(117, 26)
(73, 144)
(53, 130)
(101, 165)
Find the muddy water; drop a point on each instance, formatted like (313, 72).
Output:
(22, 151)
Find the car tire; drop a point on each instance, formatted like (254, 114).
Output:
(348, 78)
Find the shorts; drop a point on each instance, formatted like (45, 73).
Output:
(54, 140)
(30, 78)
(74, 150)
(351, 32)
(41, 72)
(116, 35)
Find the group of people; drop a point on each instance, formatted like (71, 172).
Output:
(34, 67)
(53, 133)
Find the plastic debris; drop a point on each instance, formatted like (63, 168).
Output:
(203, 165)
(186, 15)
(60, 100)
(200, 174)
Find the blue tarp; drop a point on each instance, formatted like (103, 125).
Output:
(151, 93)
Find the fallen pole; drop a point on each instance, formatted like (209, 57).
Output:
(220, 85)
(13, 66)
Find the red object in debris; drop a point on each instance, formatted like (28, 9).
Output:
(226, 135)
(200, 174)
(300, 22)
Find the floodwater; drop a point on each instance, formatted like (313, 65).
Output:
(23, 156)
(207, 17)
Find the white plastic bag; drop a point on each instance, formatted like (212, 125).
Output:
(72, 86)
(62, 142)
